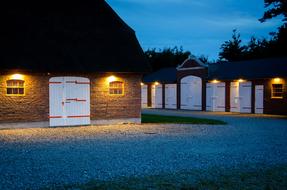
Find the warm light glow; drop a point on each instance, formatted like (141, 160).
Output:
(142, 84)
(111, 78)
(240, 80)
(277, 80)
(156, 83)
(17, 77)
(214, 81)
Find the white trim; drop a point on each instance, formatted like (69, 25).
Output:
(191, 57)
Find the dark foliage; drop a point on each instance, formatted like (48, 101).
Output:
(232, 50)
(276, 46)
(168, 57)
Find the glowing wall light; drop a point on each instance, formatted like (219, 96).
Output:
(17, 77)
(241, 80)
(156, 83)
(277, 80)
(111, 78)
(215, 81)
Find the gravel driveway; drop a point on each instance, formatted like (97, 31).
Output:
(36, 158)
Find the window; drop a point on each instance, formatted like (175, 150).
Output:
(116, 88)
(15, 87)
(277, 90)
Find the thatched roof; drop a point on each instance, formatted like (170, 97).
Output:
(81, 36)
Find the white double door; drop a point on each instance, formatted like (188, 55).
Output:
(170, 96)
(69, 101)
(156, 96)
(144, 97)
(240, 97)
(215, 97)
(191, 93)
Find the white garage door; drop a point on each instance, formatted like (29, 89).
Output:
(69, 101)
(191, 93)
(215, 97)
(170, 96)
(144, 96)
(240, 97)
(156, 92)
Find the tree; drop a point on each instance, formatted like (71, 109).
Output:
(232, 50)
(276, 8)
(168, 57)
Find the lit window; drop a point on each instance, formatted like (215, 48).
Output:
(116, 88)
(15, 87)
(277, 90)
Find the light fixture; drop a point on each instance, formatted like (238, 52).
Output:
(111, 78)
(156, 83)
(17, 77)
(277, 80)
(142, 84)
(240, 80)
(214, 81)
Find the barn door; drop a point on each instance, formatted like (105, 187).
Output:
(245, 97)
(158, 96)
(144, 91)
(191, 93)
(209, 95)
(170, 96)
(234, 97)
(259, 96)
(219, 96)
(69, 101)
(215, 97)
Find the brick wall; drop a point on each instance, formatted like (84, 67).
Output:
(34, 106)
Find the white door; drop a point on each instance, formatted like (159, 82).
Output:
(191, 93)
(245, 97)
(234, 97)
(259, 97)
(156, 96)
(144, 90)
(219, 96)
(209, 96)
(69, 101)
(215, 97)
(170, 96)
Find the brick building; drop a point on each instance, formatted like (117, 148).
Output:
(75, 65)
(254, 86)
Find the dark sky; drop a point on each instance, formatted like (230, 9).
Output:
(199, 26)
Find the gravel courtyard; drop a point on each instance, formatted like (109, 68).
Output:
(38, 157)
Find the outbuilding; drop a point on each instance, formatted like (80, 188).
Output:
(252, 86)
(159, 89)
(69, 65)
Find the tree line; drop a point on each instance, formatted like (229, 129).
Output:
(233, 49)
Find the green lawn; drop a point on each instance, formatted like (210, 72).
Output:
(146, 118)
(262, 178)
